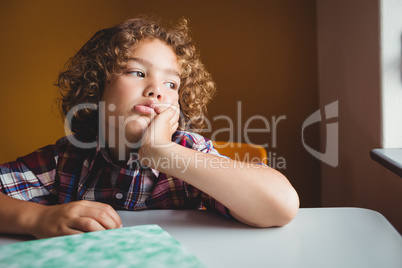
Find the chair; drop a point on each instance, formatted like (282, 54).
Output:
(242, 151)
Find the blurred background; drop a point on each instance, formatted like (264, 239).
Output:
(264, 54)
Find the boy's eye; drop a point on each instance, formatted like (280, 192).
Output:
(171, 85)
(137, 73)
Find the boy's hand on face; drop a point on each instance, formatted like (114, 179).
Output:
(74, 218)
(160, 130)
(165, 123)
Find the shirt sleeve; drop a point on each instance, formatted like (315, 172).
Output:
(204, 145)
(32, 177)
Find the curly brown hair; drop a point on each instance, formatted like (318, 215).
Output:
(107, 53)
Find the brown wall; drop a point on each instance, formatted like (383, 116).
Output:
(349, 68)
(262, 53)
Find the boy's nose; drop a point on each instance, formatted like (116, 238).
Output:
(154, 94)
(153, 91)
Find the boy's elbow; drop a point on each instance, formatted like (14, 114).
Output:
(288, 210)
(284, 211)
(277, 208)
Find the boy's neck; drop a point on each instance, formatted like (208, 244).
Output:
(117, 158)
(120, 149)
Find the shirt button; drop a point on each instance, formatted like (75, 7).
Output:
(119, 195)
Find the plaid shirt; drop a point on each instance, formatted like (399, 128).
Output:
(62, 173)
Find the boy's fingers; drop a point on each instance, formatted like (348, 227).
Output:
(102, 213)
(100, 216)
(175, 126)
(176, 107)
(71, 231)
(85, 224)
(175, 110)
(174, 118)
(162, 107)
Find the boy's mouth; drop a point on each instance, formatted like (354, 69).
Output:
(144, 109)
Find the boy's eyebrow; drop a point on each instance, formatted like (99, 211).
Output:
(148, 63)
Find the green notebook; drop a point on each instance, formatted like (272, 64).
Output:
(138, 246)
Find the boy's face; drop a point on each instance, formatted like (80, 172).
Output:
(152, 77)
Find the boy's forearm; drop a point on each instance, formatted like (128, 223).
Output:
(254, 194)
(17, 216)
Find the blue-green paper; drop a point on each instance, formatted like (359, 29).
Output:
(138, 246)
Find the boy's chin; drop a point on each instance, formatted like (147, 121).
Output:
(139, 123)
(135, 130)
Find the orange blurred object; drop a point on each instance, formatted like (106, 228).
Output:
(242, 151)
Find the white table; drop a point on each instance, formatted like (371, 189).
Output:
(317, 237)
(390, 158)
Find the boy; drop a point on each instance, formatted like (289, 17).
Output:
(130, 94)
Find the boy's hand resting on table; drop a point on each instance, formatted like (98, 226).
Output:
(73, 218)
